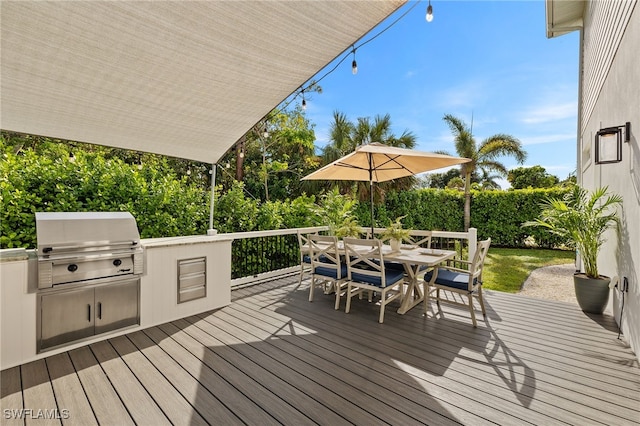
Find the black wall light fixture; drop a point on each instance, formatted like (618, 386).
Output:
(609, 143)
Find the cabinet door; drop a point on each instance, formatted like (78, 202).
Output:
(117, 305)
(66, 316)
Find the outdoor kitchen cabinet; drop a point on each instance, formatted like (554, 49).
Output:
(70, 315)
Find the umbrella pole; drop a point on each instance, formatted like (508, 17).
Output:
(371, 192)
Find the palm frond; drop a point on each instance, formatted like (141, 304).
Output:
(500, 145)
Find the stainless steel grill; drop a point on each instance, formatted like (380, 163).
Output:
(83, 246)
(89, 268)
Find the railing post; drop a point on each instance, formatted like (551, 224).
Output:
(473, 242)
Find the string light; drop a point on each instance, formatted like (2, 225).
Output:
(354, 64)
(429, 12)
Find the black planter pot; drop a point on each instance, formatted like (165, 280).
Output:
(592, 293)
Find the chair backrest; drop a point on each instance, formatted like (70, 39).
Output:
(303, 244)
(477, 264)
(325, 252)
(421, 238)
(364, 258)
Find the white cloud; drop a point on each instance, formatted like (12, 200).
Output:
(550, 138)
(550, 112)
(465, 95)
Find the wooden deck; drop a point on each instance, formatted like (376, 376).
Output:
(271, 357)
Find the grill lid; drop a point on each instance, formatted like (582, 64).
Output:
(77, 231)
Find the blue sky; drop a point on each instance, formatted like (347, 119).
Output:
(487, 58)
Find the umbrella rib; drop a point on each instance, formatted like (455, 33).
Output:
(392, 160)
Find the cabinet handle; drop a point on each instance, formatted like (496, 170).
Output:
(89, 313)
(99, 310)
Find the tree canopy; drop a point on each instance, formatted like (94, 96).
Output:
(484, 155)
(346, 136)
(531, 177)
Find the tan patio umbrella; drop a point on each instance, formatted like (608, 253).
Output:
(377, 162)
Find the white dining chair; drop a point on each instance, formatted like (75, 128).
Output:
(328, 271)
(366, 271)
(454, 280)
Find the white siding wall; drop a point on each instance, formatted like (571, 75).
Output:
(610, 97)
(601, 44)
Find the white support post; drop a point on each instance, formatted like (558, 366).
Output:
(212, 231)
(473, 242)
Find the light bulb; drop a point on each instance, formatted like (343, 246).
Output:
(354, 67)
(429, 13)
(304, 104)
(241, 154)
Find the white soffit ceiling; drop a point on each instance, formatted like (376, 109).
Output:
(180, 78)
(563, 16)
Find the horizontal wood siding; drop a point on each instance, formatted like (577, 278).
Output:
(604, 25)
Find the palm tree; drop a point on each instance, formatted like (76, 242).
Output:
(346, 136)
(483, 157)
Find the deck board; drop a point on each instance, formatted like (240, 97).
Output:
(269, 374)
(204, 403)
(307, 384)
(38, 394)
(68, 392)
(136, 398)
(271, 357)
(391, 350)
(483, 384)
(105, 402)
(177, 409)
(11, 396)
(258, 405)
(324, 355)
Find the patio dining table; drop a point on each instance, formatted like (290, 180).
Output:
(413, 258)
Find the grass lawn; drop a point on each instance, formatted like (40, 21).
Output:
(506, 269)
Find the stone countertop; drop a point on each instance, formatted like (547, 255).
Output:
(15, 254)
(182, 241)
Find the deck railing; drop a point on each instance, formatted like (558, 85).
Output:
(261, 255)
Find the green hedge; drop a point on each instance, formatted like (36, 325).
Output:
(496, 214)
(500, 214)
(162, 203)
(165, 204)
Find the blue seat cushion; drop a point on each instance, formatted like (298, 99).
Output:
(331, 272)
(453, 279)
(389, 264)
(394, 265)
(322, 258)
(391, 276)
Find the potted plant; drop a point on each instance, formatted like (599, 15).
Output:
(395, 234)
(582, 219)
(336, 212)
(348, 228)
